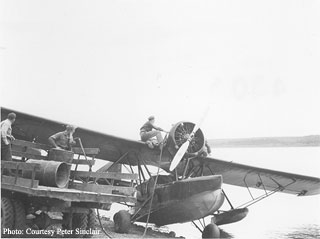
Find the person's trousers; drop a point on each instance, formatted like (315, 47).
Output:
(145, 136)
(6, 154)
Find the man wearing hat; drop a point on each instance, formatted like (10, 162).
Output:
(63, 140)
(6, 137)
(147, 132)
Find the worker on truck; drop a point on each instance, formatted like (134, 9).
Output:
(6, 137)
(147, 133)
(63, 140)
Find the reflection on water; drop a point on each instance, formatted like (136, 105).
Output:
(310, 231)
(254, 230)
(224, 234)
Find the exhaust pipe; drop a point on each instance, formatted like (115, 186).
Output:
(51, 173)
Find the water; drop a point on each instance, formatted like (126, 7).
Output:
(279, 216)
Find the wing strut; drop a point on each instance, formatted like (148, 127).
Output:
(225, 195)
(266, 194)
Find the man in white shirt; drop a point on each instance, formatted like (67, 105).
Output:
(6, 137)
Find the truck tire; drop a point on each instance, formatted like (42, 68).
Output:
(80, 222)
(7, 218)
(19, 215)
(20, 222)
(91, 222)
(122, 221)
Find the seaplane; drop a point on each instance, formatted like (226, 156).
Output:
(192, 186)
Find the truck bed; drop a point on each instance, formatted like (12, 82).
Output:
(67, 194)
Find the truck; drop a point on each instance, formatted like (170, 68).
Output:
(44, 192)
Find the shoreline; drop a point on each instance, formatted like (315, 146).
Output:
(136, 231)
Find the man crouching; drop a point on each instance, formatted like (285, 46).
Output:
(147, 132)
(63, 140)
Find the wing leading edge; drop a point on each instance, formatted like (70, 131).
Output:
(34, 128)
(261, 178)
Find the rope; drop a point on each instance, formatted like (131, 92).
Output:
(104, 231)
(154, 188)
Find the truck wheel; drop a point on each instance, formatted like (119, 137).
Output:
(80, 222)
(122, 221)
(19, 215)
(20, 222)
(211, 231)
(7, 218)
(91, 222)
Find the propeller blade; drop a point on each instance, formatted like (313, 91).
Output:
(195, 129)
(177, 158)
(197, 126)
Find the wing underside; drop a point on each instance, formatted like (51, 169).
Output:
(260, 178)
(37, 129)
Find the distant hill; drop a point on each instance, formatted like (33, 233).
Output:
(304, 141)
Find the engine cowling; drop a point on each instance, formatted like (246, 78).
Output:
(180, 133)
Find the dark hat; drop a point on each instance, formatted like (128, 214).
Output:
(151, 118)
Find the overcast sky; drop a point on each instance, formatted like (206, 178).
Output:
(108, 65)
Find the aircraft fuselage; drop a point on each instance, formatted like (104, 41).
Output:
(185, 200)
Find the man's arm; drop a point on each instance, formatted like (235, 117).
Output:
(156, 128)
(72, 141)
(208, 147)
(52, 140)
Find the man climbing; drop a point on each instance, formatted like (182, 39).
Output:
(149, 130)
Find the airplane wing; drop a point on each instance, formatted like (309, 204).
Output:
(260, 178)
(33, 128)
(260, 142)
(112, 148)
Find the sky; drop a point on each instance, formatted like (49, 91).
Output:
(108, 65)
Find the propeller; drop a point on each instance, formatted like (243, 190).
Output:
(184, 147)
(177, 158)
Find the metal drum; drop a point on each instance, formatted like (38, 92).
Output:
(51, 173)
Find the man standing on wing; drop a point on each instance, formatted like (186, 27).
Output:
(149, 130)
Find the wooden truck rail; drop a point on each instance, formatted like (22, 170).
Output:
(73, 193)
(77, 191)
